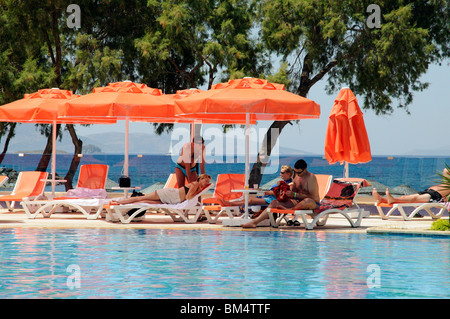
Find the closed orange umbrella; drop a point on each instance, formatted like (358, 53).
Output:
(42, 107)
(346, 138)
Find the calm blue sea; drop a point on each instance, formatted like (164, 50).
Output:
(146, 170)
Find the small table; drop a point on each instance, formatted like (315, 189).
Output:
(125, 189)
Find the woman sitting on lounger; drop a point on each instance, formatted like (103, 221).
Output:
(269, 196)
(170, 195)
(434, 194)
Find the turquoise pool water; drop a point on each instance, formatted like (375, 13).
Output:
(63, 263)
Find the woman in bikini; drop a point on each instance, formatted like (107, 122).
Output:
(191, 161)
(170, 195)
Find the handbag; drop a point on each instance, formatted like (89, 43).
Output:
(124, 181)
(280, 191)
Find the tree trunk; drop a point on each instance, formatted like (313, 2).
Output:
(78, 144)
(265, 151)
(8, 139)
(57, 63)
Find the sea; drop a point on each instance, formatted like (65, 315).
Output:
(145, 170)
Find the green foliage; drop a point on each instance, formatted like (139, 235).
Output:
(178, 44)
(444, 179)
(331, 38)
(441, 225)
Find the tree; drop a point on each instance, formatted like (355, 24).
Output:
(41, 51)
(331, 38)
(193, 41)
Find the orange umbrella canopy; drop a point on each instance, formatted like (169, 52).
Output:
(346, 138)
(257, 98)
(42, 107)
(120, 100)
(39, 107)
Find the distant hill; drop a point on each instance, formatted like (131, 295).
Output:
(442, 151)
(28, 139)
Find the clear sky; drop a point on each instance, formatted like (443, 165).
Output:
(423, 132)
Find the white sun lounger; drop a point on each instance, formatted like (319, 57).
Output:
(87, 198)
(91, 208)
(427, 207)
(179, 212)
(338, 200)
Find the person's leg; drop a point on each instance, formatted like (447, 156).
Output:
(151, 198)
(306, 204)
(251, 201)
(181, 177)
(378, 197)
(194, 177)
(265, 214)
(413, 198)
(225, 202)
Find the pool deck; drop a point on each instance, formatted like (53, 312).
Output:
(372, 224)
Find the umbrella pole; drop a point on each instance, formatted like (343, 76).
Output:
(247, 161)
(346, 169)
(127, 132)
(53, 165)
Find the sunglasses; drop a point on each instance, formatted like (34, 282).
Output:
(296, 172)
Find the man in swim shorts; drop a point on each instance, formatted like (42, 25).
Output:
(434, 194)
(304, 194)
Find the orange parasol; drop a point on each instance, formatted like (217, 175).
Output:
(256, 98)
(42, 107)
(346, 138)
(251, 99)
(121, 100)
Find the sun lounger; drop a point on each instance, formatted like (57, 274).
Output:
(441, 208)
(87, 198)
(172, 181)
(3, 179)
(178, 212)
(225, 184)
(338, 200)
(29, 184)
(324, 182)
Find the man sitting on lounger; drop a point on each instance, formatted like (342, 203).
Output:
(434, 194)
(303, 194)
(170, 195)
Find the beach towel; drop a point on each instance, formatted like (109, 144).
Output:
(280, 191)
(82, 192)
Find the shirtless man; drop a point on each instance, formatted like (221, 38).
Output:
(433, 194)
(304, 194)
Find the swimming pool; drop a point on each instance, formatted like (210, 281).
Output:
(99, 263)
